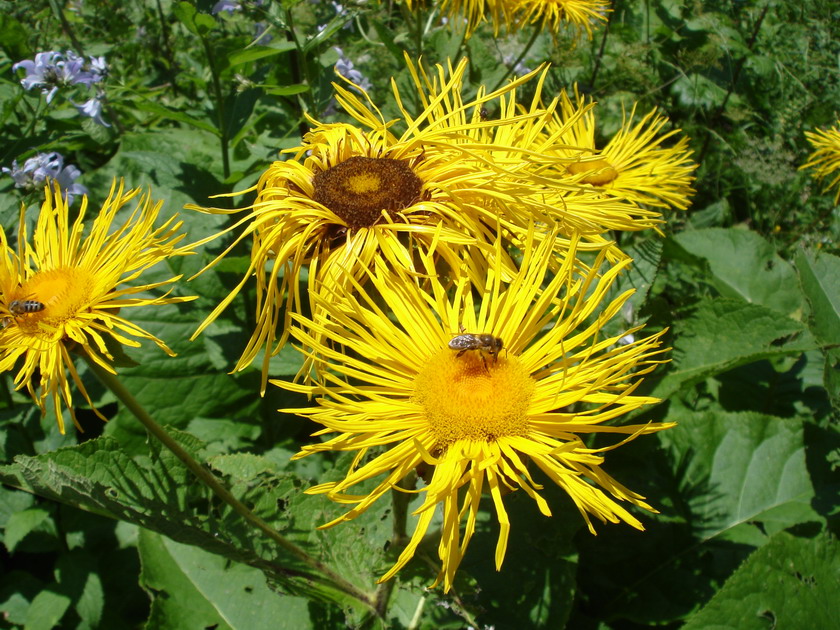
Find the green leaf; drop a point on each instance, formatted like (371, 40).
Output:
(171, 114)
(258, 52)
(160, 494)
(541, 559)
(25, 522)
(287, 90)
(642, 273)
(745, 266)
(722, 334)
(192, 588)
(46, 610)
(697, 91)
(819, 274)
(79, 579)
(195, 22)
(13, 38)
(739, 469)
(789, 583)
(204, 23)
(640, 277)
(17, 591)
(386, 36)
(332, 27)
(185, 12)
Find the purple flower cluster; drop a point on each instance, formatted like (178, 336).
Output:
(37, 169)
(53, 70)
(231, 5)
(345, 68)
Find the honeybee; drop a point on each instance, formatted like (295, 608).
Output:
(22, 307)
(483, 342)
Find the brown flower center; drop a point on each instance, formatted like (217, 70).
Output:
(360, 188)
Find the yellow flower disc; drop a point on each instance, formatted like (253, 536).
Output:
(63, 292)
(601, 172)
(63, 289)
(467, 398)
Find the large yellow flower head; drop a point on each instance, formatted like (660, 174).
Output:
(553, 15)
(480, 385)
(352, 195)
(634, 165)
(469, 13)
(550, 15)
(65, 290)
(825, 160)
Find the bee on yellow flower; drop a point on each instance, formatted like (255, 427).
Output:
(66, 290)
(400, 395)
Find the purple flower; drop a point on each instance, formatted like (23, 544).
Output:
(231, 5)
(345, 68)
(37, 169)
(98, 68)
(225, 5)
(52, 70)
(93, 108)
(42, 73)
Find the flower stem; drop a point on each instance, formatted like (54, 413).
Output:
(218, 96)
(512, 66)
(602, 47)
(398, 539)
(210, 480)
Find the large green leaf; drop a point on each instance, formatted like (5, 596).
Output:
(193, 588)
(745, 266)
(819, 275)
(789, 583)
(159, 493)
(738, 470)
(46, 610)
(253, 53)
(722, 334)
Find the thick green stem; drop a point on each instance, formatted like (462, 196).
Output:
(734, 82)
(399, 537)
(300, 74)
(65, 26)
(119, 390)
(221, 118)
(512, 66)
(602, 47)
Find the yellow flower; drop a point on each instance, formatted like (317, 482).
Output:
(395, 391)
(352, 195)
(470, 13)
(551, 15)
(65, 290)
(825, 160)
(634, 165)
(554, 14)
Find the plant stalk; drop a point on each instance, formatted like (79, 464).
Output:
(210, 480)
(221, 118)
(512, 66)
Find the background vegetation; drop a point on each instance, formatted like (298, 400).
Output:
(103, 529)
